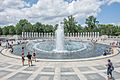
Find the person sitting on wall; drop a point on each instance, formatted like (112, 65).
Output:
(104, 53)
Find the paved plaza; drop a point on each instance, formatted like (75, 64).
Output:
(12, 69)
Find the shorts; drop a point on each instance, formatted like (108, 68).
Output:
(109, 72)
(29, 60)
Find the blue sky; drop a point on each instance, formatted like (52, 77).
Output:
(110, 13)
(54, 11)
(31, 2)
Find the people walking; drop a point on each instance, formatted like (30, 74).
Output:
(110, 68)
(29, 56)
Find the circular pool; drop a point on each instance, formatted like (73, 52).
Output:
(45, 49)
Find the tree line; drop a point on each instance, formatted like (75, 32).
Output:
(70, 26)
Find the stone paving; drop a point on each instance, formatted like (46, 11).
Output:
(12, 69)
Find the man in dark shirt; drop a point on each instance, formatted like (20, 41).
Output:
(110, 68)
(29, 56)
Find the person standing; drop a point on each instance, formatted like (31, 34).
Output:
(110, 68)
(22, 49)
(29, 56)
(34, 56)
(0, 43)
(23, 58)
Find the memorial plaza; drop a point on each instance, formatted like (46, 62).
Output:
(94, 68)
(59, 39)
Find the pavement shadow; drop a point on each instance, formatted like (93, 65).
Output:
(112, 78)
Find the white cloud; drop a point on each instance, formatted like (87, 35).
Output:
(47, 11)
(113, 1)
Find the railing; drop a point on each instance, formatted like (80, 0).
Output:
(90, 35)
(37, 35)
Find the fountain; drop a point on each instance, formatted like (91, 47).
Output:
(59, 38)
(61, 48)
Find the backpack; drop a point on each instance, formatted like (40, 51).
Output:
(112, 67)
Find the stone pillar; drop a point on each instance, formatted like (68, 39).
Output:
(47, 34)
(78, 34)
(67, 34)
(90, 34)
(44, 34)
(41, 34)
(29, 34)
(73, 35)
(51, 34)
(26, 34)
(87, 34)
(83, 34)
(36, 34)
(70, 34)
(93, 34)
(32, 34)
(98, 35)
(22, 34)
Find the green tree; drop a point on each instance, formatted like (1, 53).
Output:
(38, 27)
(107, 29)
(5, 31)
(0, 31)
(23, 26)
(18, 29)
(11, 30)
(48, 28)
(91, 22)
(70, 25)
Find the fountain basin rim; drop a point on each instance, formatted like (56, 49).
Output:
(65, 60)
